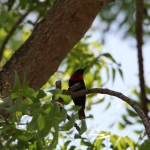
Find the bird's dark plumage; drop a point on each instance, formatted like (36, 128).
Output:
(77, 77)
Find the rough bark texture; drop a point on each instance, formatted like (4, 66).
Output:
(53, 37)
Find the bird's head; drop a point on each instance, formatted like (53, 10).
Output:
(78, 74)
(80, 70)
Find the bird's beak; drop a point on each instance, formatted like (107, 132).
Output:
(85, 67)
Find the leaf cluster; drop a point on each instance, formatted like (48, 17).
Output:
(45, 119)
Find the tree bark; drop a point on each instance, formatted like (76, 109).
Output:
(53, 37)
(139, 38)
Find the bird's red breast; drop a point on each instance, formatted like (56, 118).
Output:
(77, 77)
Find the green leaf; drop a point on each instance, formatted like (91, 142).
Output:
(109, 104)
(98, 143)
(18, 115)
(104, 134)
(64, 114)
(113, 73)
(33, 124)
(121, 73)
(66, 98)
(77, 136)
(61, 116)
(145, 145)
(114, 139)
(121, 126)
(41, 122)
(55, 91)
(136, 93)
(108, 55)
(26, 90)
(16, 82)
(75, 108)
(65, 145)
(122, 144)
(25, 103)
(132, 112)
(55, 138)
(47, 108)
(56, 109)
(139, 121)
(83, 127)
(15, 95)
(5, 103)
(69, 124)
(22, 139)
(107, 71)
(86, 143)
(129, 142)
(147, 90)
(16, 106)
(137, 132)
(46, 130)
(40, 94)
(72, 147)
(99, 101)
(126, 120)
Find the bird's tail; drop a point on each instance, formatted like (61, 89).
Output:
(81, 114)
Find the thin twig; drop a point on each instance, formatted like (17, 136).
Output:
(72, 88)
(75, 125)
(139, 35)
(10, 33)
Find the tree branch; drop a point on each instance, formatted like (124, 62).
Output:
(72, 88)
(10, 34)
(139, 35)
(53, 37)
(133, 104)
(75, 125)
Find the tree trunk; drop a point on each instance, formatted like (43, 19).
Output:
(53, 37)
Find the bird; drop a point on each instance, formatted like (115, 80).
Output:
(77, 77)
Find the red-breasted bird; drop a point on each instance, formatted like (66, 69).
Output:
(77, 77)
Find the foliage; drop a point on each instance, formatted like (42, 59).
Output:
(123, 12)
(46, 122)
(46, 126)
